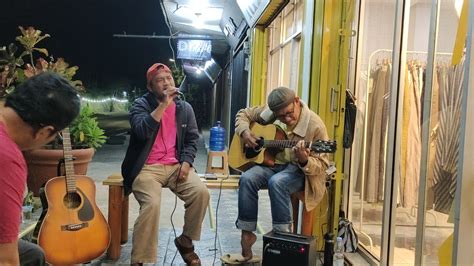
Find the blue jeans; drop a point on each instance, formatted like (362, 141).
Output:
(282, 181)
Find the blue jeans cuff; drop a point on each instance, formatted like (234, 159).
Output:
(282, 227)
(247, 226)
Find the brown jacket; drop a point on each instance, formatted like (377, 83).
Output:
(310, 127)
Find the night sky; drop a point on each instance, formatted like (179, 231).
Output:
(81, 32)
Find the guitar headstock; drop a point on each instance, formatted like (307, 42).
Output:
(324, 146)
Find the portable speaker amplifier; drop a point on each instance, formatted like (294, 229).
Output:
(288, 249)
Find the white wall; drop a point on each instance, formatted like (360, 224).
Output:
(379, 23)
(378, 28)
(420, 23)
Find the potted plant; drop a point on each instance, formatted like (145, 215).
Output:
(16, 69)
(86, 136)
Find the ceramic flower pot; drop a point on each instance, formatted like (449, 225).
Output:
(43, 165)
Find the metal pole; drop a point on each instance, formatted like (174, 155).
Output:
(193, 37)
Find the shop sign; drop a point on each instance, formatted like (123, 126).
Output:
(194, 49)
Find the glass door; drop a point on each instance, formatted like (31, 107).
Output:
(404, 157)
(373, 72)
(441, 130)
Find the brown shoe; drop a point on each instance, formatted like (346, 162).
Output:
(187, 253)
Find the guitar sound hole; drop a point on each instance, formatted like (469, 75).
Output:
(72, 200)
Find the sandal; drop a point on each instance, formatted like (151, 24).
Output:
(188, 254)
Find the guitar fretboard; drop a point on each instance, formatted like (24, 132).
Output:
(318, 146)
(68, 161)
(282, 143)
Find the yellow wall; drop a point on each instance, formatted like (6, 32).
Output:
(332, 30)
(259, 67)
(329, 70)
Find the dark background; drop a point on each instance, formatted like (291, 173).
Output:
(82, 33)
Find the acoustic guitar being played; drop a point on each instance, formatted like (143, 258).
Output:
(72, 229)
(271, 140)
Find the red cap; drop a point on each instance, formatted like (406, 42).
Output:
(155, 69)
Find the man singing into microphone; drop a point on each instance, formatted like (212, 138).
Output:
(161, 153)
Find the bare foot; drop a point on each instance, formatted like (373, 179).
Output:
(246, 241)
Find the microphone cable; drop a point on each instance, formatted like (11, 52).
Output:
(172, 213)
(217, 217)
(176, 183)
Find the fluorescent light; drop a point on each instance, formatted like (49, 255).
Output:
(198, 21)
(207, 13)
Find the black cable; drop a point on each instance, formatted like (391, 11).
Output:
(168, 24)
(217, 218)
(177, 178)
(174, 209)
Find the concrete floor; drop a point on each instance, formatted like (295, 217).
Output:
(213, 243)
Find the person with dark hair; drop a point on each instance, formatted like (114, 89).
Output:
(163, 145)
(298, 169)
(30, 118)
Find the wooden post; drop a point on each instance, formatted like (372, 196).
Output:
(124, 237)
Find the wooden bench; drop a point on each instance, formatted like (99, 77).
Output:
(118, 208)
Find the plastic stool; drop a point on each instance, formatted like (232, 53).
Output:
(219, 158)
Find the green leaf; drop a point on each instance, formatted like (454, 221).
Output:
(42, 50)
(85, 130)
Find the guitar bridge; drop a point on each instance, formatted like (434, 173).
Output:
(74, 227)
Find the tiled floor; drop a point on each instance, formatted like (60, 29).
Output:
(437, 230)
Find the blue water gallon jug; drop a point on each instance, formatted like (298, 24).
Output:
(217, 138)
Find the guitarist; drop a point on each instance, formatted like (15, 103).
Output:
(296, 169)
(31, 117)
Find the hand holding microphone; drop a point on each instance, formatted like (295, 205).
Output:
(173, 93)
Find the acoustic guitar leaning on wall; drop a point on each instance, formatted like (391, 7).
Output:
(72, 229)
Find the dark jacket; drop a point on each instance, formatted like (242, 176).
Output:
(144, 129)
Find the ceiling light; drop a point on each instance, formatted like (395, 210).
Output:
(197, 5)
(198, 22)
(207, 13)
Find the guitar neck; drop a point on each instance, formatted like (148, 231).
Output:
(68, 161)
(282, 143)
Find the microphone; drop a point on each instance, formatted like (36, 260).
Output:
(177, 92)
(180, 94)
